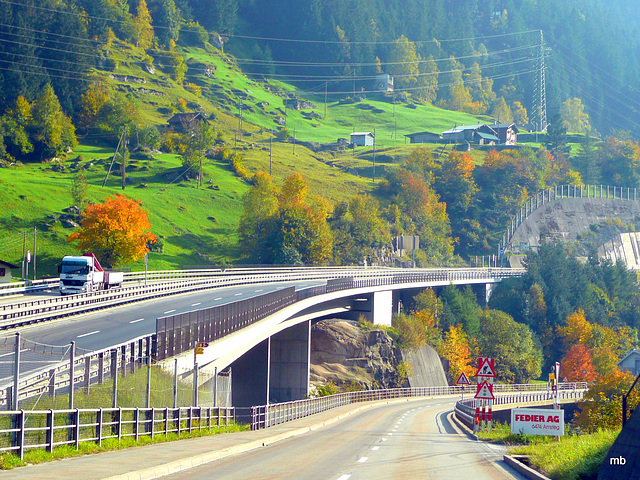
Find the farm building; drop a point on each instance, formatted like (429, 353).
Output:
(5, 271)
(383, 83)
(185, 122)
(362, 139)
(424, 137)
(481, 134)
(507, 133)
(631, 362)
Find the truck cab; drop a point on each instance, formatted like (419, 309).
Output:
(78, 274)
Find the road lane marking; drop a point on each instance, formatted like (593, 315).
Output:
(258, 291)
(195, 304)
(87, 334)
(237, 294)
(136, 321)
(363, 459)
(390, 433)
(344, 477)
(216, 299)
(384, 439)
(169, 311)
(375, 449)
(13, 353)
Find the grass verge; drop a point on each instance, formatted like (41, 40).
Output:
(9, 461)
(571, 457)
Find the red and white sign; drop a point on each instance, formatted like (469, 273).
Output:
(485, 391)
(463, 380)
(486, 367)
(537, 421)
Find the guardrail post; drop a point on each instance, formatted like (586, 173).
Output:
(123, 355)
(72, 373)
(100, 368)
(52, 383)
(114, 373)
(99, 425)
(50, 432)
(87, 374)
(133, 357)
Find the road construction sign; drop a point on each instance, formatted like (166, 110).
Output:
(463, 380)
(486, 367)
(485, 391)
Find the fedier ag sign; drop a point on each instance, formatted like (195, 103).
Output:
(537, 421)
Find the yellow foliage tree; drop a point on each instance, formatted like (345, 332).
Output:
(116, 231)
(457, 350)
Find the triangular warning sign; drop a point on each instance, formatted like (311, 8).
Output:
(485, 391)
(462, 380)
(486, 367)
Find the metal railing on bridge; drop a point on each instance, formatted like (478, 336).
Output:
(265, 416)
(179, 333)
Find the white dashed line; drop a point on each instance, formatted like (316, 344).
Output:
(169, 311)
(136, 321)
(375, 449)
(344, 477)
(390, 433)
(384, 439)
(363, 459)
(237, 294)
(258, 291)
(87, 334)
(195, 304)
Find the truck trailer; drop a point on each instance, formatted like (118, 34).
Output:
(84, 274)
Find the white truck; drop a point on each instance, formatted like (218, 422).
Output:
(84, 274)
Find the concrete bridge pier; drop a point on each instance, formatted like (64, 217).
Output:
(276, 370)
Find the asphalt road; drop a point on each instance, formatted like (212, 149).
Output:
(396, 441)
(104, 328)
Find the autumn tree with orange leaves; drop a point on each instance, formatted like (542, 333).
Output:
(457, 349)
(116, 231)
(577, 365)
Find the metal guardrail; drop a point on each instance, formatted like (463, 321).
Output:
(465, 409)
(265, 416)
(22, 313)
(557, 193)
(46, 429)
(178, 333)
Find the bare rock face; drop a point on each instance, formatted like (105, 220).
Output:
(345, 354)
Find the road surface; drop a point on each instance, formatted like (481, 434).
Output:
(400, 441)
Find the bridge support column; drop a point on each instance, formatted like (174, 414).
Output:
(382, 308)
(250, 381)
(289, 364)
(489, 288)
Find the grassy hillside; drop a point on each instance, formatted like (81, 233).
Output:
(197, 225)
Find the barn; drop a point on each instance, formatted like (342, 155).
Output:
(362, 139)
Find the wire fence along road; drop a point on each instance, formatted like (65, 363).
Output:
(265, 416)
(22, 430)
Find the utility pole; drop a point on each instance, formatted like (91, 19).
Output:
(294, 140)
(374, 156)
(540, 97)
(24, 254)
(270, 154)
(124, 161)
(325, 100)
(35, 237)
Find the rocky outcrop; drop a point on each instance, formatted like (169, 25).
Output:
(345, 354)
